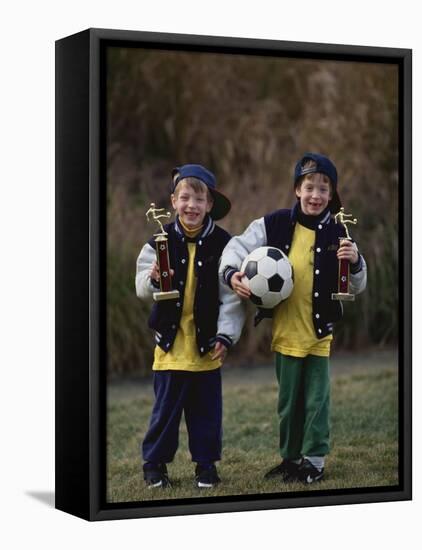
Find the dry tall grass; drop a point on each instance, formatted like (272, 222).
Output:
(249, 119)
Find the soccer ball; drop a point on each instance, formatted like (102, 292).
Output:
(269, 276)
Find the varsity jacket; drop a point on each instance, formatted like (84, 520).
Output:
(218, 313)
(276, 229)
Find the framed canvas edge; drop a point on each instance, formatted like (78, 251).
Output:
(97, 510)
(406, 264)
(308, 48)
(404, 59)
(72, 367)
(253, 505)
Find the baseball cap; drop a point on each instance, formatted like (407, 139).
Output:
(221, 205)
(323, 165)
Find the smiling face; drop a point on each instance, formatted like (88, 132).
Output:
(192, 203)
(314, 193)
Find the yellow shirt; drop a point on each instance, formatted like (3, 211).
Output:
(293, 329)
(184, 353)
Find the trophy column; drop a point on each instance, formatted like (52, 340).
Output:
(162, 252)
(166, 291)
(344, 265)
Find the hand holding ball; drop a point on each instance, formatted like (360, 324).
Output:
(268, 275)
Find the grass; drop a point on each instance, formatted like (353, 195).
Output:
(364, 434)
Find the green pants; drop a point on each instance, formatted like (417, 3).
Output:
(303, 405)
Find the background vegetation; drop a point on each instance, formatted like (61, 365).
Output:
(249, 119)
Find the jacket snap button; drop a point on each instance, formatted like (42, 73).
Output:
(200, 263)
(317, 271)
(202, 350)
(316, 294)
(183, 261)
(317, 315)
(178, 304)
(319, 226)
(319, 330)
(318, 249)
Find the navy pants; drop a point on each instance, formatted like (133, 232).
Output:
(198, 395)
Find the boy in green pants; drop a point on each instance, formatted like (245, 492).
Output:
(303, 324)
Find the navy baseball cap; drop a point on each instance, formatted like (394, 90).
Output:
(323, 165)
(221, 205)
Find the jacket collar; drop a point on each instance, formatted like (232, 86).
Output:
(325, 219)
(208, 228)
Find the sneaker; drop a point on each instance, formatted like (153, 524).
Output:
(155, 475)
(308, 473)
(287, 471)
(206, 476)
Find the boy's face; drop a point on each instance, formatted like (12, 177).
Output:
(190, 205)
(314, 193)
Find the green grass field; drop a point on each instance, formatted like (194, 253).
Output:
(364, 433)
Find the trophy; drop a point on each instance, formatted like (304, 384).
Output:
(161, 246)
(344, 265)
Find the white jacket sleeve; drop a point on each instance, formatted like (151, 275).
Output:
(358, 280)
(239, 247)
(144, 287)
(232, 313)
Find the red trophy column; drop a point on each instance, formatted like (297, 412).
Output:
(164, 266)
(343, 280)
(162, 252)
(344, 265)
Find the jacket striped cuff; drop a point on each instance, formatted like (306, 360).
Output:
(228, 274)
(155, 283)
(226, 340)
(355, 268)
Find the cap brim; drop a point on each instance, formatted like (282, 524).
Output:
(221, 206)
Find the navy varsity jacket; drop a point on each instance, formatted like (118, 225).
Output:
(217, 314)
(276, 229)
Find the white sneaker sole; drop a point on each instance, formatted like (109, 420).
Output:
(202, 485)
(155, 485)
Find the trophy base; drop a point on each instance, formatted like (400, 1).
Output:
(344, 296)
(170, 295)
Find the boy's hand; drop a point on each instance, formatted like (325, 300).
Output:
(240, 288)
(347, 251)
(155, 272)
(220, 351)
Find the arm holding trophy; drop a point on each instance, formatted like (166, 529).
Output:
(352, 266)
(144, 281)
(162, 252)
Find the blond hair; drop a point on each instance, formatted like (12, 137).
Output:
(194, 183)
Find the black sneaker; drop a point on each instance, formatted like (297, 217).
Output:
(155, 475)
(308, 473)
(206, 477)
(287, 471)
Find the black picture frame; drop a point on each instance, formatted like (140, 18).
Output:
(81, 263)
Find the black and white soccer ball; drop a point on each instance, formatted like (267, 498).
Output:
(269, 276)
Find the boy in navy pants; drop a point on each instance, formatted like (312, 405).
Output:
(192, 333)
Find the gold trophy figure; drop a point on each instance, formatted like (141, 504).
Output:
(344, 265)
(161, 246)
